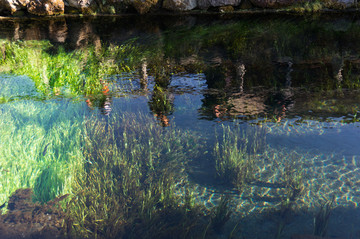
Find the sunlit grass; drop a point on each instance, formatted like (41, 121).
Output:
(40, 146)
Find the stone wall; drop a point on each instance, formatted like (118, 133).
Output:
(55, 7)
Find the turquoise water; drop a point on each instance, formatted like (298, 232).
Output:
(289, 84)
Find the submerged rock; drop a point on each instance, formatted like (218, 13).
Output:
(26, 219)
(205, 4)
(82, 5)
(180, 5)
(46, 7)
(13, 6)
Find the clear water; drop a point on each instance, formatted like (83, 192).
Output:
(293, 79)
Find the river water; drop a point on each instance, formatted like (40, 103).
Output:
(288, 85)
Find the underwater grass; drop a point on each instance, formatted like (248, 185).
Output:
(234, 155)
(129, 183)
(40, 147)
(259, 174)
(321, 219)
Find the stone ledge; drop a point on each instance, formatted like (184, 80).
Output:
(170, 7)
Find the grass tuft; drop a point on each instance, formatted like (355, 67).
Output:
(234, 156)
(130, 181)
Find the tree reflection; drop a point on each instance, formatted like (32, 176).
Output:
(102, 101)
(162, 104)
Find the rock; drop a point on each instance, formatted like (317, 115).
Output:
(225, 9)
(205, 4)
(46, 7)
(246, 104)
(273, 3)
(180, 5)
(13, 6)
(26, 219)
(143, 6)
(79, 4)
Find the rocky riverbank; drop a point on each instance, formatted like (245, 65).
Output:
(91, 7)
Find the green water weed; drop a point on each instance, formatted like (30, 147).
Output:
(130, 181)
(234, 156)
(38, 153)
(221, 213)
(322, 217)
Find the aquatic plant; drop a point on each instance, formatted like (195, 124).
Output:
(129, 183)
(284, 215)
(219, 216)
(234, 155)
(40, 147)
(321, 219)
(221, 213)
(48, 184)
(292, 178)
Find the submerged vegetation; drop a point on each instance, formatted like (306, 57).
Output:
(322, 217)
(133, 166)
(40, 146)
(233, 163)
(128, 176)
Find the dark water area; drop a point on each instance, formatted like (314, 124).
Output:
(259, 111)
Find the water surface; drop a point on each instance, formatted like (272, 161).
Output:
(288, 86)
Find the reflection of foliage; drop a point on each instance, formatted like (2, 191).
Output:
(129, 184)
(160, 69)
(339, 103)
(313, 7)
(61, 72)
(161, 104)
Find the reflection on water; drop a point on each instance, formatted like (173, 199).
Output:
(261, 108)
